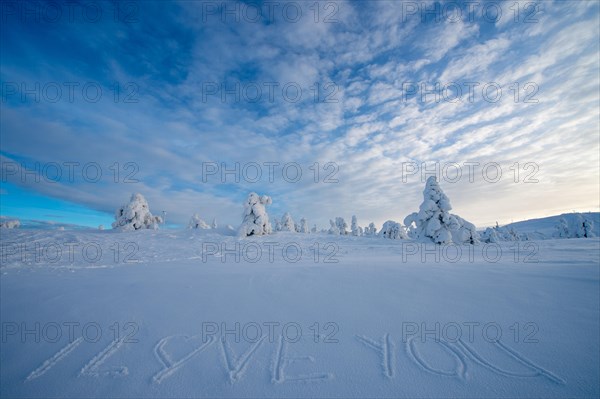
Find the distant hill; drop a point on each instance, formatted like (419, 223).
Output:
(545, 227)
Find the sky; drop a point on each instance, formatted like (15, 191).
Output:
(331, 108)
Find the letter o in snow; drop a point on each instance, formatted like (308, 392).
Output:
(284, 252)
(298, 332)
(498, 333)
(57, 332)
(257, 335)
(58, 252)
(97, 248)
(456, 257)
(98, 329)
(258, 252)
(497, 249)
(452, 338)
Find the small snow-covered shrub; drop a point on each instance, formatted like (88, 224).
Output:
(135, 215)
(393, 230)
(197, 223)
(498, 234)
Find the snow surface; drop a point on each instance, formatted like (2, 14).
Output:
(175, 288)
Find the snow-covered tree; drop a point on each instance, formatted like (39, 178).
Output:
(101, 227)
(561, 229)
(393, 230)
(277, 225)
(434, 221)
(500, 233)
(314, 229)
(371, 230)
(303, 227)
(214, 223)
(355, 229)
(341, 225)
(256, 219)
(10, 224)
(490, 236)
(466, 233)
(583, 227)
(287, 223)
(135, 215)
(588, 228)
(197, 223)
(333, 229)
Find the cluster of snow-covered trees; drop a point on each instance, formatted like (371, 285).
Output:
(579, 227)
(498, 233)
(9, 223)
(432, 223)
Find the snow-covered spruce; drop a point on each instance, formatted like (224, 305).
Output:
(466, 233)
(497, 234)
(135, 215)
(584, 227)
(341, 225)
(197, 223)
(393, 230)
(355, 229)
(314, 229)
(256, 219)
(333, 228)
(214, 223)
(579, 227)
(561, 229)
(303, 226)
(287, 223)
(10, 224)
(371, 230)
(434, 222)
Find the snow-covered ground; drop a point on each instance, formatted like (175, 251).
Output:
(192, 313)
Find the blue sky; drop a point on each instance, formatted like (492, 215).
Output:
(345, 87)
